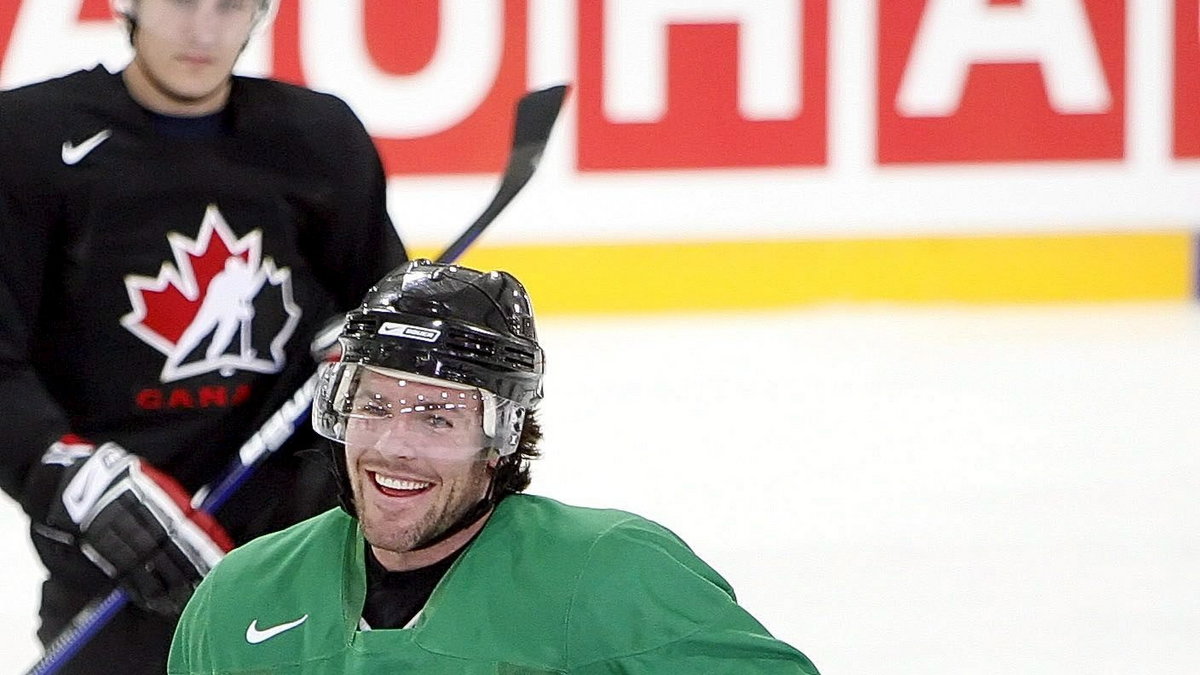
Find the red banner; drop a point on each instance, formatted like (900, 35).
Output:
(992, 81)
(1187, 78)
(703, 107)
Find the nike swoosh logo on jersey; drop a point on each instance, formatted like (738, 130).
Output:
(255, 636)
(73, 154)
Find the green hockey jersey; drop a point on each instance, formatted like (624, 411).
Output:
(543, 588)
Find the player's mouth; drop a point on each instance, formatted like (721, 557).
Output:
(195, 59)
(395, 486)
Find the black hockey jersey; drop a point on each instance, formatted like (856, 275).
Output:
(161, 291)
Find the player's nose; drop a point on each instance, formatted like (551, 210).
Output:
(205, 26)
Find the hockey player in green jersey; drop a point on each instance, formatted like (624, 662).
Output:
(436, 563)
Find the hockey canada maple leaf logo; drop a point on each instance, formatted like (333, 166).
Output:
(200, 311)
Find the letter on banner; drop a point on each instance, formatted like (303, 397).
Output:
(635, 55)
(54, 37)
(434, 81)
(444, 93)
(989, 80)
(1187, 79)
(701, 83)
(956, 34)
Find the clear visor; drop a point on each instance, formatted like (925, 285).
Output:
(402, 415)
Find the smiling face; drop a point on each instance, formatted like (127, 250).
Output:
(416, 465)
(184, 52)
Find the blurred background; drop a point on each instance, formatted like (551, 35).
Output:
(886, 306)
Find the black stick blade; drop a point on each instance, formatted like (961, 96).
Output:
(536, 113)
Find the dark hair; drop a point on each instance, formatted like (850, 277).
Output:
(512, 472)
(130, 27)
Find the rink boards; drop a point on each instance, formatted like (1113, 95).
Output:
(648, 277)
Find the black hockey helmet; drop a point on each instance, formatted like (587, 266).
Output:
(449, 323)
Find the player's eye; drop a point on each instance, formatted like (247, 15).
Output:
(438, 422)
(372, 408)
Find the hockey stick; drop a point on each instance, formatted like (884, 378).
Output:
(535, 116)
(536, 113)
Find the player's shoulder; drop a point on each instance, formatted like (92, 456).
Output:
(35, 118)
(58, 92)
(604, 546)
(580, 526)
(549, 512)
(290, 103)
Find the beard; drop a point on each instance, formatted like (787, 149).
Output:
(454, 501)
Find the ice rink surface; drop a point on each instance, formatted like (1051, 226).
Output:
(895, 491)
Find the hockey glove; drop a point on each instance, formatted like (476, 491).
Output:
(134, 522)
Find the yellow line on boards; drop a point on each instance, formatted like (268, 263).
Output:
(664, 277)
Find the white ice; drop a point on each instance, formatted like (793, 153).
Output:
(892, 490)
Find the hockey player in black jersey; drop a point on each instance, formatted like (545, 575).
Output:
(171, 237)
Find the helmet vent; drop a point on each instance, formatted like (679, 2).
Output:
(472, 345)
(521, 359)
(483, 349)
(360, 325)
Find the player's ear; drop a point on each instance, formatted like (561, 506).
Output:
(123, 9)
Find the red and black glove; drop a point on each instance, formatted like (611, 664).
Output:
(133, 521)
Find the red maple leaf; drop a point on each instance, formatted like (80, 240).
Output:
(164, 306)
(169, 312)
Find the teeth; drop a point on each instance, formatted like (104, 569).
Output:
(398, 484)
